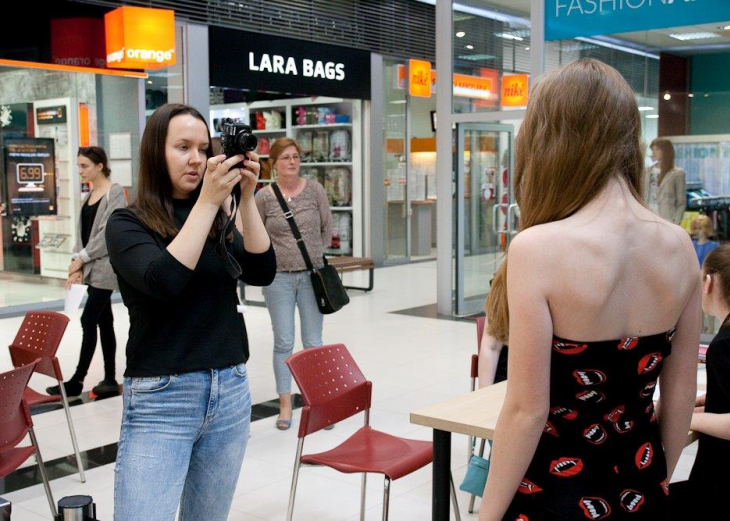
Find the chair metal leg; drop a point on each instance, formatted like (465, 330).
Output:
(42, 468)
(470, 447)
(386, 498)
(481, 454)
(295, 480)
(362, 496)
(454, 500)
(72, 430)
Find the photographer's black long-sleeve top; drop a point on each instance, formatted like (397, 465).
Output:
(181, 320)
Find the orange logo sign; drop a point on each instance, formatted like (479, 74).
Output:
(140, 38)
(473, 86)
(419, 83)
(515, 90)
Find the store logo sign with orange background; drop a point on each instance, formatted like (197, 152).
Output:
(419, 83)
(515, 90)
(140, 38)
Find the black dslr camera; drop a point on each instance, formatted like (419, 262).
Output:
(236, 138)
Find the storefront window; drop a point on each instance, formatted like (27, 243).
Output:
(45, 115)
(488, 43)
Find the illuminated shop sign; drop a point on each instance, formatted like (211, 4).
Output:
(570, 18)
(515, 90)
(240, 60)
(140, 38)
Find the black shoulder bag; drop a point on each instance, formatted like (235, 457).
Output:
(328, 288)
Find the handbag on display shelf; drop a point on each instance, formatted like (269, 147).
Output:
(328, 289)
(476, 475)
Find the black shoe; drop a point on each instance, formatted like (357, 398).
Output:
(106, 386)
(72, 387)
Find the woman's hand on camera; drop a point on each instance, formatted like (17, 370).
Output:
(250, 172)
(219, 179)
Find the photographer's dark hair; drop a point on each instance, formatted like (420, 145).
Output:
(153, 203)
(97, 156)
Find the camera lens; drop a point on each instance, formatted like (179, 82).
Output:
(246, 142)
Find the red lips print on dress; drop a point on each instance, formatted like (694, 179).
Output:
(626, 344)
(565, 348)
(595, 507)
(595, 434)
(566, 467)
(631, 500)
(528, 487)
(649, 362)
(589, 376)
(564, 413)
(644, 456)
(591, 396)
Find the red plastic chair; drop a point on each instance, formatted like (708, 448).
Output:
(333, 389)
(39, 336)
(15, 423)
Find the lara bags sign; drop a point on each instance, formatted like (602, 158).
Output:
(249, 61)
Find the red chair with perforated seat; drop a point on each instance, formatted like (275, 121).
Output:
(40, 336)
(333, 389)
(15, 423)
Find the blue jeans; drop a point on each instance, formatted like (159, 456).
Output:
(287, 292)
(182, 443)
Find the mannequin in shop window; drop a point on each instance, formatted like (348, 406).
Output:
(90, 265)
(665, 183)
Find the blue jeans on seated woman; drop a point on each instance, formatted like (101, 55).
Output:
(182, 444)
(288, 292)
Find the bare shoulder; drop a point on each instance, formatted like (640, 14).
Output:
(535, 246)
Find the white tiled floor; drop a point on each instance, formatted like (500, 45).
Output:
(411, 361)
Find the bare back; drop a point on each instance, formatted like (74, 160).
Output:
(618, 270)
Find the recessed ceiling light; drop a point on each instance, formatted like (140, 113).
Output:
(691, 95)
(149, 81)
(700, 35)
(667, 96)
(469, 46)
(726, 28)
(460, 34)
(645, 108)
(652, 116)
(527, 48)
(707, 95)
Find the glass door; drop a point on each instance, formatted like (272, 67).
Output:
(485, 210)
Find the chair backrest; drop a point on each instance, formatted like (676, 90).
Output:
(39, 336)
(332, 385)
(481, 321)
(15, 420)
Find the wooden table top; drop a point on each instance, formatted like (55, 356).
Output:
(474, 414)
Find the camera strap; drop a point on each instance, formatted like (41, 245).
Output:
(221, 249)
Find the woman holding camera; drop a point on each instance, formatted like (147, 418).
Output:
(292, 287)
(187, 406)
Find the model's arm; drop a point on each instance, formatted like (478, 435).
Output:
(527, 402)
(678, 380)
(488, 357)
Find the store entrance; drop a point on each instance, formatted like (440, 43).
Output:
(486, 214)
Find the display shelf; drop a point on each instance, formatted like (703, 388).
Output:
(288, 108)
(270, 131)
(332, 163)
(322, 125)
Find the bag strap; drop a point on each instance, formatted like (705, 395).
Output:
(289, 216)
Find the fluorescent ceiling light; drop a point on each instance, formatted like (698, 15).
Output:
(604, 43)
(469, 47)
(645, 108)
(476, 57)
(460, 34)
(700, 35)
(398, 102)
(510, 36)
(652, 116)
(726, 28)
